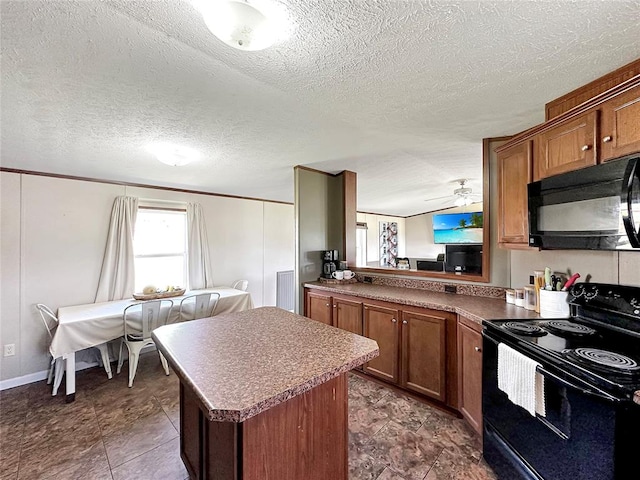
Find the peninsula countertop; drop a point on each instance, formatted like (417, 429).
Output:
(475, 308)
(241, 364)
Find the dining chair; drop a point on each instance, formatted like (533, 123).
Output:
(140, 319)
(240, 285)
(204, 305)
(56, 369)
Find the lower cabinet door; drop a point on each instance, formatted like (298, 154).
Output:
(347, 315)
(470, 375)
(318, 307)
(381, 325)
(424, 353)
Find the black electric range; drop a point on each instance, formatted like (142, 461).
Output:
(599, 342)
(590, 364)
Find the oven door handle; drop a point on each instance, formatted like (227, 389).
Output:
(587, 391)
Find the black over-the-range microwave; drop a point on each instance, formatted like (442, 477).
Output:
(594, 208)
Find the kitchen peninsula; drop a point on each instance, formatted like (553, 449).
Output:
(263, 394)
(430, 342)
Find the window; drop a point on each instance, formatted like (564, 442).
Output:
(160, 248)
(361, 245)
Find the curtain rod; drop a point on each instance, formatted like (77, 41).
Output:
(157, 200)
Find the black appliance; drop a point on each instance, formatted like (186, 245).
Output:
(594, 208)
(329, 262)
(433, 265)
(463, 258)
(590, 363)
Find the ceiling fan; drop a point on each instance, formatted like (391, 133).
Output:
(462, 196)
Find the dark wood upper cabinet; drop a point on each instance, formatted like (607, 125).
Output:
(381, 325)
(514, 173)
(569, 146)
(621, 125)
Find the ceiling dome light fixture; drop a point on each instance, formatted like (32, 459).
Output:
(172, 154)
(242, 24)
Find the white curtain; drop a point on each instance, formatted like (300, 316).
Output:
(200, 273)
(117, 278)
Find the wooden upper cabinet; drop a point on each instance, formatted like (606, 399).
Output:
(381, 325)
(470, 372)
(347, 315)
(424, 353)
(568, 146)
(621, 125)
(319, 307)
(514, 173)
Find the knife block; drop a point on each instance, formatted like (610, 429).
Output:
(553, 304)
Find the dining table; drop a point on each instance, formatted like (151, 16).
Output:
(91, 324)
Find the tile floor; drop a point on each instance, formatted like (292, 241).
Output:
(114, 432)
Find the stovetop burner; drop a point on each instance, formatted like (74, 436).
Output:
(567, 327)
(610, 360)
(524, 329)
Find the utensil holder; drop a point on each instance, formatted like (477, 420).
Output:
(553, 304)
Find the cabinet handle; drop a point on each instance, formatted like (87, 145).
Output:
(585, 148)
(328, 305)
(404, 322)
(335, 305)
(477, 349)
(394, 320)
(607, 139)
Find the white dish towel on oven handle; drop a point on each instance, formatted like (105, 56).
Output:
(518, 378)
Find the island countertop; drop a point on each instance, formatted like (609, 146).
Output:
(475, 308)
(241, 364)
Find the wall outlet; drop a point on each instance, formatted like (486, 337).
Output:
(9, 349)
(450, 289)
(367, 280)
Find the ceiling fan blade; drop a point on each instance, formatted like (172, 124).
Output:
(437, 198)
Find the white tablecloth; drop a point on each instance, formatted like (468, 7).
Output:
(84, 326)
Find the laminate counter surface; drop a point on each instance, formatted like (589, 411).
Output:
(241, 364)
(475, 308)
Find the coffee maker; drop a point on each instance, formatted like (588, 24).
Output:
(329, 262)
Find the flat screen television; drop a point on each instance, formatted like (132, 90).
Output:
(463, 258)
(456, 228)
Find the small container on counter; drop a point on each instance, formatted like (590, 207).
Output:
(530, 298)
(519, 297)
(510, 295)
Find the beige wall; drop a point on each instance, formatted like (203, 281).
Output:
(52, 240)
(603, 267)
(373, 231)
(420, 242)
(319, 221)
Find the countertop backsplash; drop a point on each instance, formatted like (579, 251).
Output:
(434, 286)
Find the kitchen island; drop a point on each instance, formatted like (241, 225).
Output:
(263, 394)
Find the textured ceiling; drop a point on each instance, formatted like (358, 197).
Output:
(401, 92)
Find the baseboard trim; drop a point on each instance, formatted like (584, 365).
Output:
(38, 376)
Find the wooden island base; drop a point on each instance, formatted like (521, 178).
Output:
(305, 437)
